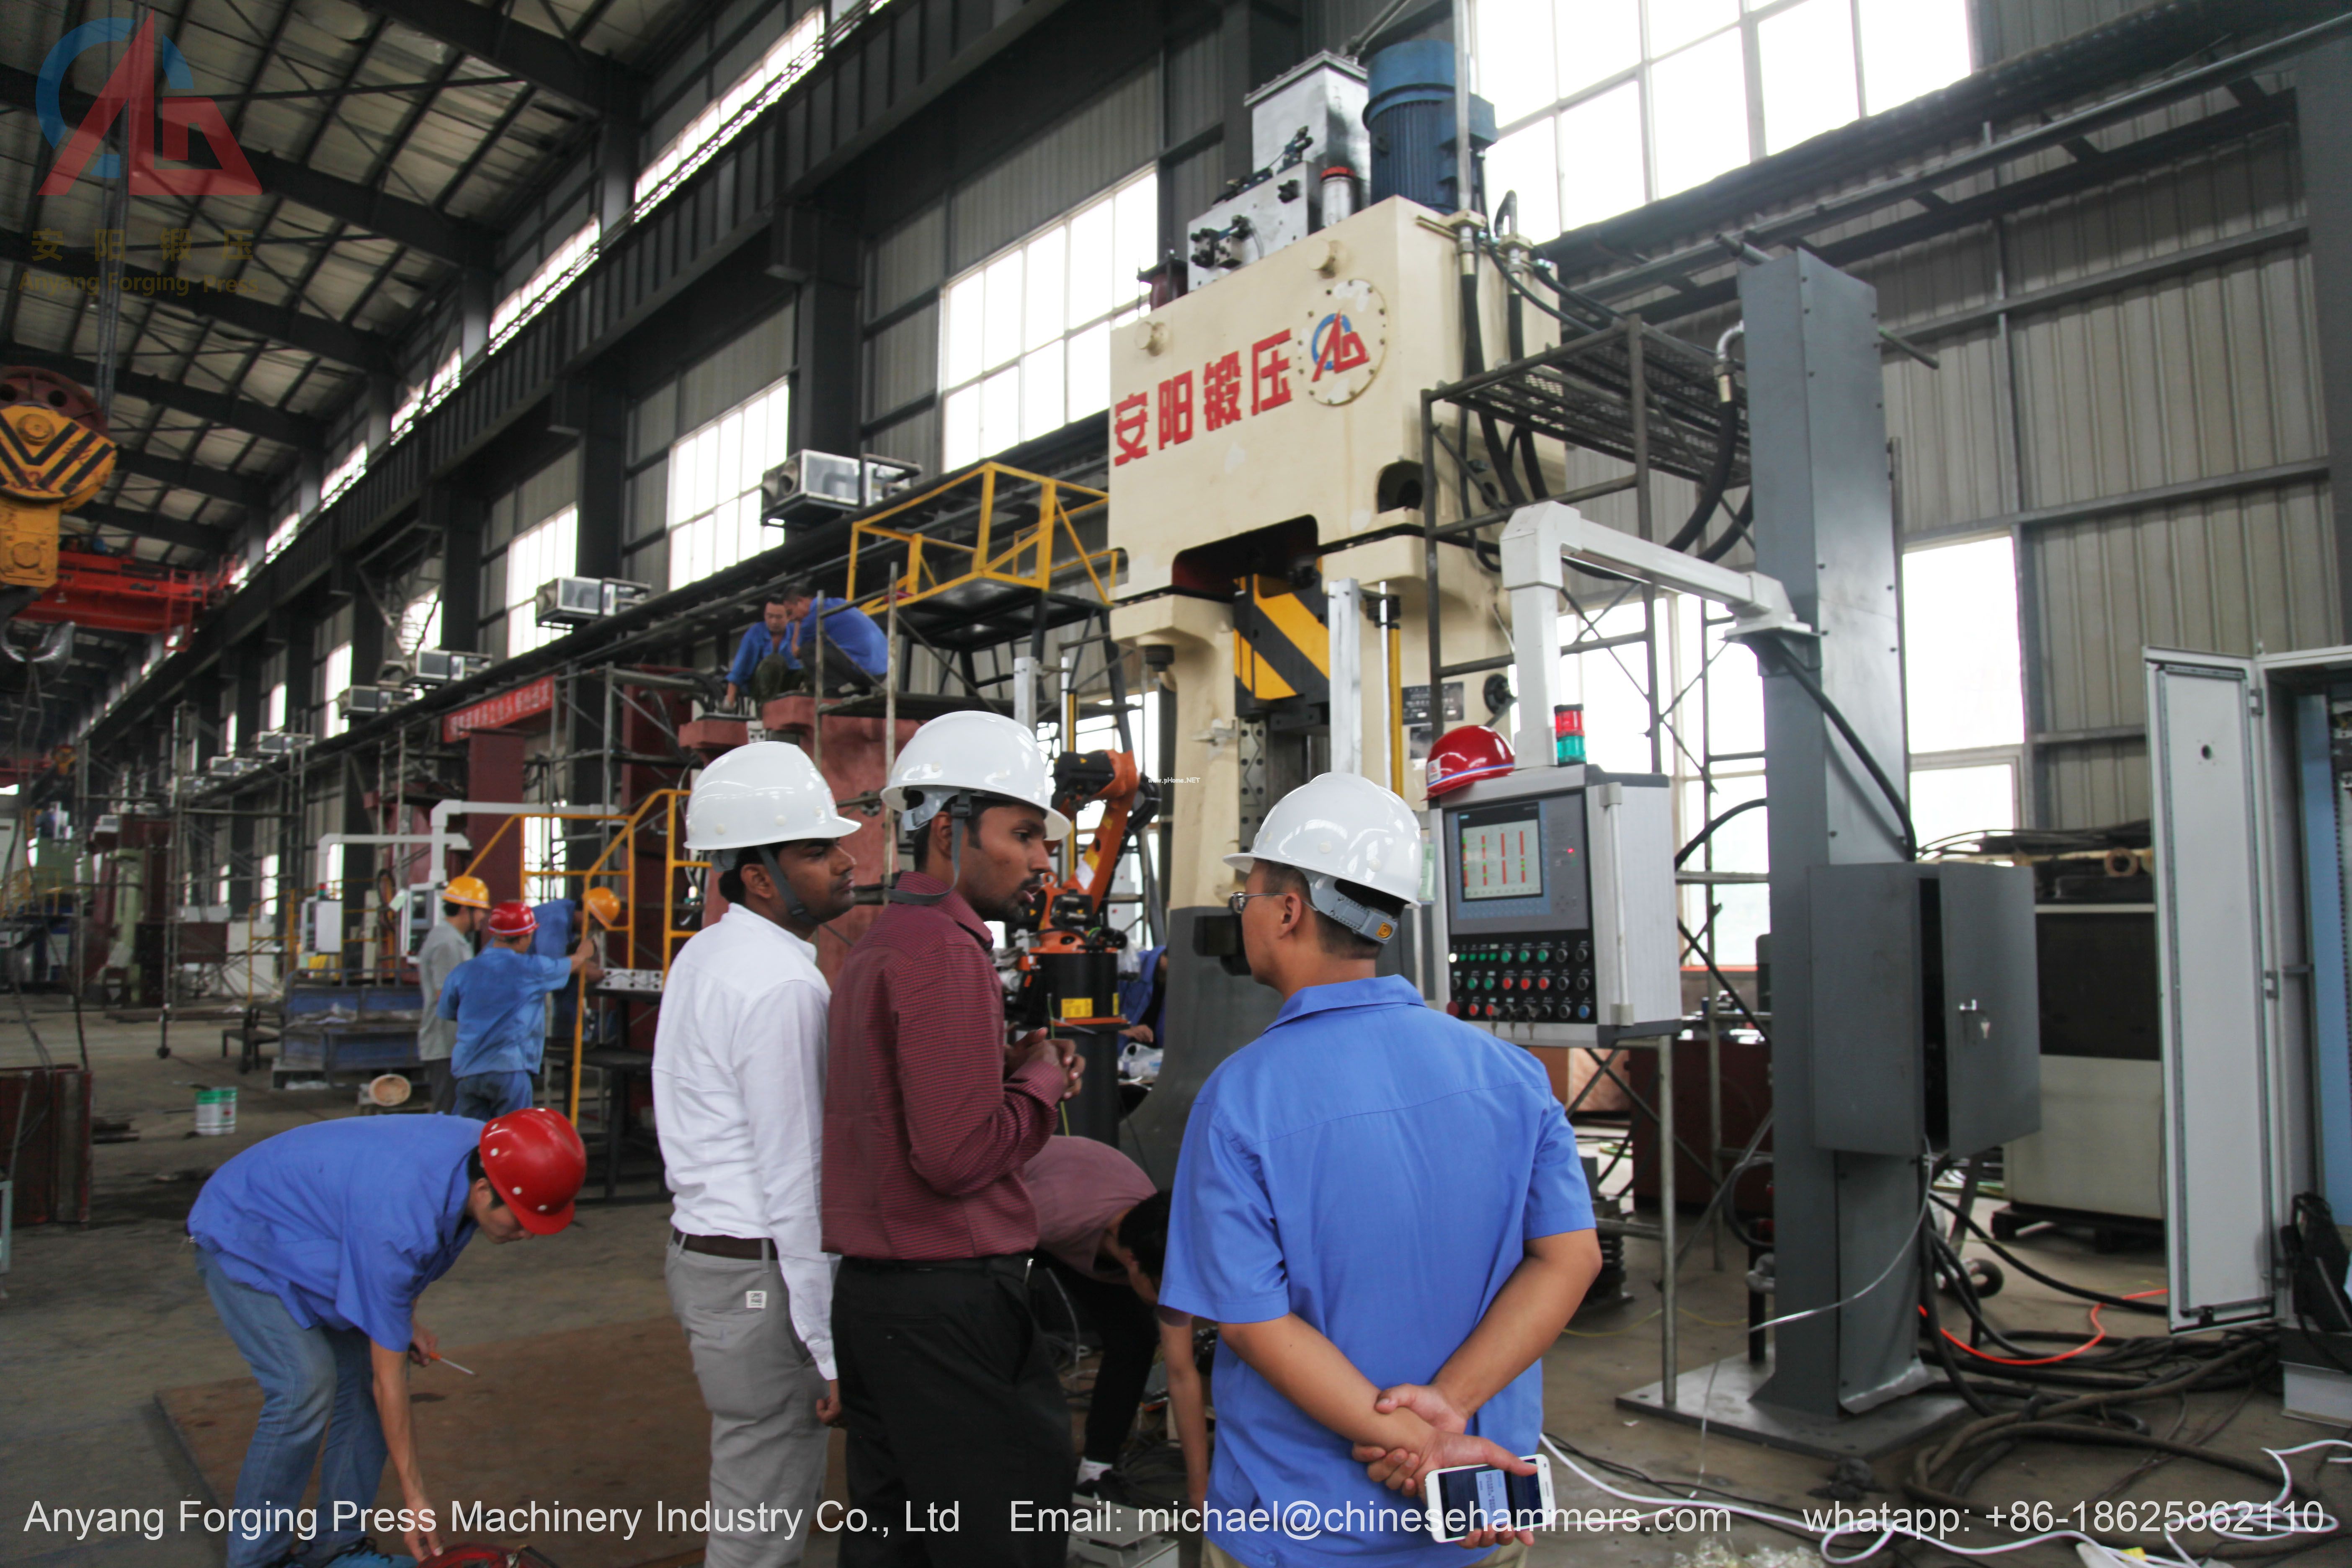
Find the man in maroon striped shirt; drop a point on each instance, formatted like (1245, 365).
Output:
(958, 1430)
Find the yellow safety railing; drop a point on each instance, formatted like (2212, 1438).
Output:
(1028, 558)
(624, 874)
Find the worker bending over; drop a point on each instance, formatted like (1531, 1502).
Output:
(953, 1407)
(738, 1097)
(465, 905)
(1138, 1239)
(314, 1245)
(1381, 1206)
(1084, 1191)
(498, 1002)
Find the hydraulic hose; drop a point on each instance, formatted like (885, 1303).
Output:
(1707, 832)
(1718, 475)
(1909, 838)
(1474, 362)
(1741, 522)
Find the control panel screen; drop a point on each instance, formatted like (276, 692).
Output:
(1503, 859)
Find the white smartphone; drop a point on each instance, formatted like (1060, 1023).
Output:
(1464, 1498)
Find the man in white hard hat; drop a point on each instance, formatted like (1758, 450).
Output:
(1382, 1205)
(957, 1423)
(739, 1093)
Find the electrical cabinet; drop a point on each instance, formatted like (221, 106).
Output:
(1924, 981)
(2250, 763)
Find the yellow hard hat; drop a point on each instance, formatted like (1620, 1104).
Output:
(471, 891)
(606, 905)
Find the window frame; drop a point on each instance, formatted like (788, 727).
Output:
(1752, 16)
(672, 527)
(1120, 310)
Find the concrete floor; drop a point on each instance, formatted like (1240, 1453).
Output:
(96, 1320)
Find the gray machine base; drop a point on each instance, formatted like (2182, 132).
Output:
(1730, 1407)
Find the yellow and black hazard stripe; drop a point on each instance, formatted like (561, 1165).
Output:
(45, 456)
(1281, 647)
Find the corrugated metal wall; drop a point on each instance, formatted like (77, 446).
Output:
(2005, 29)
(1092, 150)
(758, 358)
(2195, 376)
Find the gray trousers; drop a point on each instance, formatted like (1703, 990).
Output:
(767, 1446)
(443, 1086)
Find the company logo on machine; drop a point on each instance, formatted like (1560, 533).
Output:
(1346, 335)
(1345, 331)
(129, 94)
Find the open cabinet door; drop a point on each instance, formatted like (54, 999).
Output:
(2213, 944)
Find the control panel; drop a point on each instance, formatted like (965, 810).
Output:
(1543, 977)
(1559, 904)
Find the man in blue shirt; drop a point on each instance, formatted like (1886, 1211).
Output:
(1381, 1206)
(772, 660)
(499, 1003)
(314, 1245)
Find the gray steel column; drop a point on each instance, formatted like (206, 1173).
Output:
(456, 517)
(1824, 526)
(2322, 108)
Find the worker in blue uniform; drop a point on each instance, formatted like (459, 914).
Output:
(499, 1001)
(314, 1245)
(1381, 1206)
(776, 655)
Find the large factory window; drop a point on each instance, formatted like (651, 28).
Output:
(714, 485)
(343, 475)
(538, 554)
(788, 59)
(1962, 664)
(1605, 105)
(1026, 341)
(551, 277)
(420, 624)
(334, 678)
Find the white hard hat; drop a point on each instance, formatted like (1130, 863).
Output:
(1343, 827)
(975, 753)
(765, 792)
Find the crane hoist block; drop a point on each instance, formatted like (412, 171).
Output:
(54, 456)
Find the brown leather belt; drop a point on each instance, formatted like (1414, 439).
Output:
(752, 1248)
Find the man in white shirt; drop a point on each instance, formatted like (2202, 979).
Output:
(739, 1098)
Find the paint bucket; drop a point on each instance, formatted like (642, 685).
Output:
(216, 1112)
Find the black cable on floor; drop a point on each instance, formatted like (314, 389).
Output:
(2121, 1302)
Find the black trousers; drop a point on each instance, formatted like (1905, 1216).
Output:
(959, 1436)
(1130, 1337)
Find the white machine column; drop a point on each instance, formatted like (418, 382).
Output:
(1534, 574)
(1345, 618)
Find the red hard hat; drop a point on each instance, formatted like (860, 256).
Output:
(513, 918)
(537, 1162)
(1462, 755)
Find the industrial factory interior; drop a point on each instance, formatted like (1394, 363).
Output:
(1630, 722)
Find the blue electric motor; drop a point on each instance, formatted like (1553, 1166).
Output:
(1410, 114)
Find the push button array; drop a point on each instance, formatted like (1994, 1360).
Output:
(1544, 978)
